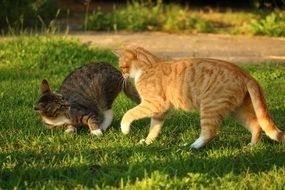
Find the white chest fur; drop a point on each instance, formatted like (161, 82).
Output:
(57, 121)
(135, 73)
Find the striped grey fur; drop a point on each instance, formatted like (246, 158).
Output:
(85, 98)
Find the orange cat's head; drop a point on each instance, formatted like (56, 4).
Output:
(133, 60)
(127, 59)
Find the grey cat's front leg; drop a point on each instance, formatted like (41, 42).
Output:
(94, 127)
(108, 118)
(89, 120)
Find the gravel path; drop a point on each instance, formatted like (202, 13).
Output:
(237, 49)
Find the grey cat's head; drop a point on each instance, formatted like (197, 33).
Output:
(51, 105)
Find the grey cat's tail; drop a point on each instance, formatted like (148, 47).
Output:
(130, 91)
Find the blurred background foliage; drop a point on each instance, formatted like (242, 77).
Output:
(27, 12)
(253, 17)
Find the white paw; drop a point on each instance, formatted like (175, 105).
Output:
(251, 144)
(142, 141)
(97, 132)
(199, 143)
(184, 144)
(125, 128)
(71, 130)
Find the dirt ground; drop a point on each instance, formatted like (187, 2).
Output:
(237, 49)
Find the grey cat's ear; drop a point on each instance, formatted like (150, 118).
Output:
(118, 52)
(39, 107)
(45, 87)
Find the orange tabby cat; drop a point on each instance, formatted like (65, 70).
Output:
(214, 87)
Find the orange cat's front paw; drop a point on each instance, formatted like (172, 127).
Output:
(125, 128)
(146, 141)
(142, 141)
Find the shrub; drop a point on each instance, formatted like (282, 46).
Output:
(272, 25)
(141, 16)
(99, 21)
(22, 13)
(136, 16)
(204, 26)
(175, 19)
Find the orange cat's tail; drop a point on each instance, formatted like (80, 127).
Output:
(261, 111)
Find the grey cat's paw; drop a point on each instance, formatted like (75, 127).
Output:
(97, 132)
(71, 130)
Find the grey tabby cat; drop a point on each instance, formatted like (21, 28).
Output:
(85, 98)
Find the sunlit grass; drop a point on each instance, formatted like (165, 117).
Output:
(33, 157)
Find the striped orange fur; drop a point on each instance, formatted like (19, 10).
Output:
(216, 88)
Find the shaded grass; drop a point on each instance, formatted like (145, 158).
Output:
(32, 157)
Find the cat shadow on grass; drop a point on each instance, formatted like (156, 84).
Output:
(109, 165)
(122, 163)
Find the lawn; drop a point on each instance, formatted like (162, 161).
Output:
(33, 157)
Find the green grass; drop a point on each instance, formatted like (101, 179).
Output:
(33, 157)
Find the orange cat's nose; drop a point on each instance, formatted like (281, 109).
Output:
(124, 69)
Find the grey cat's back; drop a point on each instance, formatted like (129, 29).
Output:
(93, 86)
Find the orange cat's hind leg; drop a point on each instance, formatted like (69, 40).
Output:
(245, 115)
(213, 113)
(209, 125)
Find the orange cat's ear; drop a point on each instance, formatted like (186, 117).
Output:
(118, 53)
(45, 87)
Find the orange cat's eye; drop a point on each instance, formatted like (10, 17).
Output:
(124, 68)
